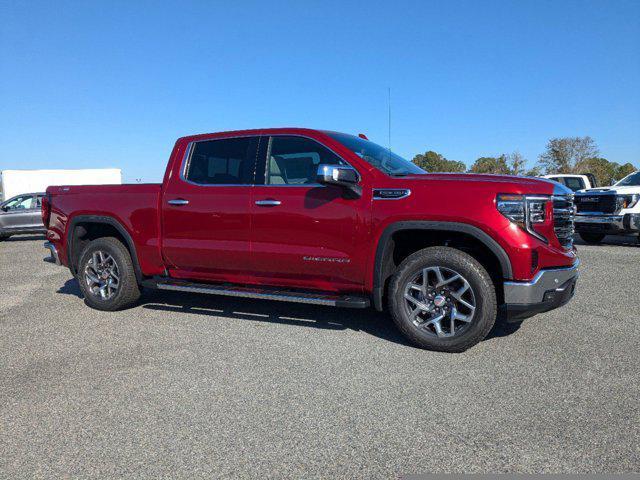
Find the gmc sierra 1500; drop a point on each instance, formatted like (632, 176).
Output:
(613, 210)
(325, 218)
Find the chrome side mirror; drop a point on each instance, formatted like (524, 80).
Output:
(337, 175)
(341, 175)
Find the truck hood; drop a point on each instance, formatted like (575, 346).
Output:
(504, 183)
(621, 190)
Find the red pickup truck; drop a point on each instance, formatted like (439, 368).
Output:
(324, 218)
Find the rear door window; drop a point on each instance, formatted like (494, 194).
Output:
(228, 161)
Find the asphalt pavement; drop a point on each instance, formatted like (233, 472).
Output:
(200, 386)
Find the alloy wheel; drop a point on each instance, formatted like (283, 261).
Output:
(439, 301)
(101, 275)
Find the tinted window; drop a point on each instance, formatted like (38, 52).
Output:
(20, 203)
(222, 162)
(381, 158)
(295, 160)
(574, 183)
(630, 180)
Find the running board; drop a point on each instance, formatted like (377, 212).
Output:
(328, 299)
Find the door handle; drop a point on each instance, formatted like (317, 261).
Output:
(268, 203)
(178, 202)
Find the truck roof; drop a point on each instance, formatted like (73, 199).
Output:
(258, 131)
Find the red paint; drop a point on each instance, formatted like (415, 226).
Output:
(221, 235)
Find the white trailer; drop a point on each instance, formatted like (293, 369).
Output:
(15, 182)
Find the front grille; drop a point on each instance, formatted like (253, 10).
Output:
(596, 203)
(563, 217)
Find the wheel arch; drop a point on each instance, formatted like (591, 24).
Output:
(384, 265)
(97, 226)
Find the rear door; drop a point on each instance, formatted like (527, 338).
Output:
(206, 211)
(305, 234)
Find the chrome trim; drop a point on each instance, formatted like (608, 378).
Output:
(596, 214)
(407, 192)
(287, 185)
(178, 201)
(231, 292)
(53, 252)
(527, 219)
(268, 203)
(617, 221)
(564, 211)
(545, 280)
(588, 217)
(186, 159)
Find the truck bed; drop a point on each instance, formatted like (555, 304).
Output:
(133, 206)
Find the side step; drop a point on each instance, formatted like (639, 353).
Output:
(264, 293)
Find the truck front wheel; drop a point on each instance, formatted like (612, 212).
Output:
(106, 275)
(442, 299)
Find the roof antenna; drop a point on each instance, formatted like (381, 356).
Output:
(389, 98)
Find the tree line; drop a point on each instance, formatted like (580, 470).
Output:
(561, 155)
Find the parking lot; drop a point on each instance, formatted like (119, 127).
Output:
(186, 385)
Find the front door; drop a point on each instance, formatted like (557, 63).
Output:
(206, 211)
(21, 214)
(305, 234)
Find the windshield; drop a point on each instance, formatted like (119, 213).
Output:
(381, 158)
(632, 180)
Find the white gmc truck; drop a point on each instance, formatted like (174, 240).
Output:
(613, 210)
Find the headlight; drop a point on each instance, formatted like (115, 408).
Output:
(627, 201)
(526, 211)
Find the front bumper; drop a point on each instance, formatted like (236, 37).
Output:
(608, 224)
(53, 253)
(549, 289)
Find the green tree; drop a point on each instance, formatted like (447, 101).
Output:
(434, 162)
(517, 163)
(568, 154)
(602, 169)
(624, 170)
(606, 172)
(497, 165)
(536, 171)
(505, 164)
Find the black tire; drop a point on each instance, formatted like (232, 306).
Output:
(481, 286)
(4, 237)
(127, 292)
(592, 238)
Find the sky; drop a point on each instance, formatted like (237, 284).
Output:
(113, 84)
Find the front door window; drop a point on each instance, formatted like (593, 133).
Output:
(294, 160)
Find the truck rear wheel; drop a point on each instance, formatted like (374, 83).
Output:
(442, 299)
(592, 238)
(106, 275)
